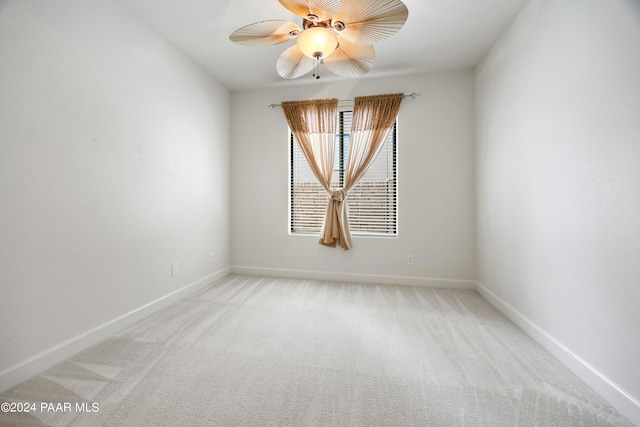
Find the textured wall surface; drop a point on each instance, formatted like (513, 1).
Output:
(114, 164)
(558, 187)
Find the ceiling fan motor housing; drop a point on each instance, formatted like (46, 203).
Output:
(306, 24)
(309, 23)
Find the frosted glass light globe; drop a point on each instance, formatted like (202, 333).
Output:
(317, 42)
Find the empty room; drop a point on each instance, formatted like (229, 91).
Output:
(320, 213)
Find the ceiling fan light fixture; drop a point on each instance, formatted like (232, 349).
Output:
(337, 33)
(317, 42)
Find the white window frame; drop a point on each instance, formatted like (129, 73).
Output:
(393, 136)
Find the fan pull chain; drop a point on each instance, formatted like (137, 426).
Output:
(316, 66)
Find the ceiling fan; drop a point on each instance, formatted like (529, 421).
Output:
(338, 33)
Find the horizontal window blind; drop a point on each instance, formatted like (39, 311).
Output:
(372, 202)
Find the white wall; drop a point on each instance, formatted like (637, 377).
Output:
(558, 185)
(114, 163)
(435, 175)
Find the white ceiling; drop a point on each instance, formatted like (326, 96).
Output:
(438, 35)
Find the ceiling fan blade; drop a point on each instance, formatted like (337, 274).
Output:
(292, 63)
(323, 9)
(370, 21)
(351, 59)
(265, 33)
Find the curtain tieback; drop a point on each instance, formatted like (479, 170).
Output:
(338, 194)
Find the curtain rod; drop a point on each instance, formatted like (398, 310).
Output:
(411, 95)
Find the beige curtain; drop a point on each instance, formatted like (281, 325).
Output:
(313, 124)
(373, 118)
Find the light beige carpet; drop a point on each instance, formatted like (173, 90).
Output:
(251, 351)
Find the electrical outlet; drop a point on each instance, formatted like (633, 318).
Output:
(174, 269)
(410, 259)
(211, 257)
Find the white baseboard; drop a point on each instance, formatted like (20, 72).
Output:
(625, 403)
(355, 277)
(32, 366)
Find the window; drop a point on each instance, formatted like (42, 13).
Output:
(372, 202)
